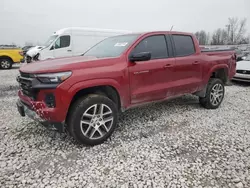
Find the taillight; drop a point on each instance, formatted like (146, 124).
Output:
(21, 53)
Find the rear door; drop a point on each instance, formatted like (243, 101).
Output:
(63, 47)
(149, 79)
(187, 70)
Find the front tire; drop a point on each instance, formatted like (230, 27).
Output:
(5, 63)
(28, 59)
(214, 94)
(92, 119)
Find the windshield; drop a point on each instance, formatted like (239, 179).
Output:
(111, 47)
(50, 40)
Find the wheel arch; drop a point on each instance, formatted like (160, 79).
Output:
(221, 72)
(109, 90)
(6, 57)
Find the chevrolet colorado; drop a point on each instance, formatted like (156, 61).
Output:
(84, 95)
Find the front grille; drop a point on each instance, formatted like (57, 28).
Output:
(243, 71)
(25, 82)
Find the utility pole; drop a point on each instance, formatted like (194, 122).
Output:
(228, 32)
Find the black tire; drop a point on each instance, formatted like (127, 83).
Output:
(206, 101)
(5, 63)
(81, 107)
(28, 59)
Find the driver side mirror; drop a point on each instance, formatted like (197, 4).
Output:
(142, 56)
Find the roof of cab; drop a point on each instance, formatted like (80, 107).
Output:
(162, 32)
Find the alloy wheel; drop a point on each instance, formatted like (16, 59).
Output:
(216, 94)
(96, 121)
(5, 64)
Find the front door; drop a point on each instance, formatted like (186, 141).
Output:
(63, 47)
(149, 79)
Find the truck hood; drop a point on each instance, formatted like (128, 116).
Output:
(243, 65)
(58, 65)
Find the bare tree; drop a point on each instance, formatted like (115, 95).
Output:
(233, 34)
(245, 40)
(202, 37)
(236, 30)
(219, 37)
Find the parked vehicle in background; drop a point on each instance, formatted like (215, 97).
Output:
(32, 53)
(84, 94)
(243, 70)
(74, 41)
(5, 46)
(246, 53)
(25, 49)
(9, 56)
(239, 54)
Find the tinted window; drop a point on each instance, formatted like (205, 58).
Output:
(184, 45)
(62, 42)
(156, 45)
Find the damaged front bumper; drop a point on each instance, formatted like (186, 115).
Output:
(40, 116)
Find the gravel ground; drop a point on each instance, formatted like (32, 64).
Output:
(170, 144)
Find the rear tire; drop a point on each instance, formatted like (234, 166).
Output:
(6, 63)
(92, 119)
(214, 94)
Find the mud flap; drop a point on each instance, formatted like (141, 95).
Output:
(20, 109)
(201, 93)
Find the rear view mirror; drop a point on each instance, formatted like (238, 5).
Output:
(142, 56)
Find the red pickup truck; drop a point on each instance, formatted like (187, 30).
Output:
(85, 94)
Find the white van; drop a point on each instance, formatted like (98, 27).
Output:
(74, 41)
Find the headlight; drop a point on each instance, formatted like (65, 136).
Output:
(53, 78)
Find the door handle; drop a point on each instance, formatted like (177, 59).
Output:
(196, 62)
(168, 66)
(141, 72)
(69, 50)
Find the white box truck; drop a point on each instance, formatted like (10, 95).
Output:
(73, 41)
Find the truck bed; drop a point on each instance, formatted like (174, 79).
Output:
(218, 52)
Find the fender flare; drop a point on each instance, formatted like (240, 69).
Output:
(95, 83)
(6, 56)
(216, 67)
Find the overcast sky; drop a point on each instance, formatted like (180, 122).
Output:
(35, 20)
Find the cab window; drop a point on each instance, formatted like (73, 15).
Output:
(62, 42)
(156, 45)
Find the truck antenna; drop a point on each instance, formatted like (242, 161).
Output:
(171, 28)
